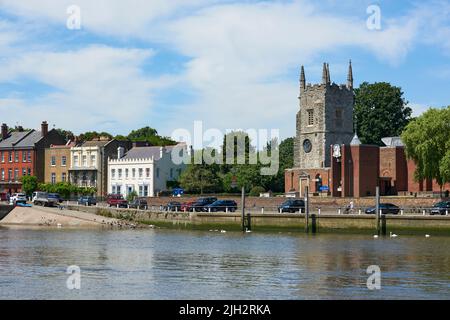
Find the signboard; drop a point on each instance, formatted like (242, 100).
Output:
(324, 188)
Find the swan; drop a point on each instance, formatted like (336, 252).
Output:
(375, 236)
(222, 231)
(427, 236)
(393, 235)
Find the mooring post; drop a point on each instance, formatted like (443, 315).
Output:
(243, 209)
(377, 209)
(307, 208)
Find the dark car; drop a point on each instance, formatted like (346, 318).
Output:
(201, 203)
(441, 208)
(221, 205)
(139, 204)
(386, 208)
(87, 201)
(116, 200)
(173, 206)
(55, 196)
(292, 206)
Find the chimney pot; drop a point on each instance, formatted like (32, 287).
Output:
(4, 131)
(44, 128)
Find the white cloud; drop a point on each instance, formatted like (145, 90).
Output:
(97, 87)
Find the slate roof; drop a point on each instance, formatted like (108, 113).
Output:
(21, 139)
(96, 143)
(146, 152)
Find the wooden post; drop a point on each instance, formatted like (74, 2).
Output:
(377, 209)
(307, 209)
(243, 209)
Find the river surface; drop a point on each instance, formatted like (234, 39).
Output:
(170, 264)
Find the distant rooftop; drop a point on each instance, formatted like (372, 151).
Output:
(393, 142)
(148, 152)
(21, 139)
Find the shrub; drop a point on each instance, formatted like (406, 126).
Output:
(255, 191)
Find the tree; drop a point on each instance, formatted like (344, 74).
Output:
(131, 196)
(427, 142)
(198, 179)
(380, 111)
(90, 135)
(66, 134)
(151, 136)
(29, 184)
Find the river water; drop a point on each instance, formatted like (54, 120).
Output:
(169, 264)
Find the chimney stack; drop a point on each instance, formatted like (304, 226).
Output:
(4, 131)
(120, 152)
(44, 128)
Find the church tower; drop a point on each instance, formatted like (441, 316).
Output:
(325, 118)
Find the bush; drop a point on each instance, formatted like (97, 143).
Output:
(255, 191)
(131, 196)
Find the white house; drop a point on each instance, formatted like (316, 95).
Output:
(144, 170)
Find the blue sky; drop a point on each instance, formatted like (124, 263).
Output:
(230, 64)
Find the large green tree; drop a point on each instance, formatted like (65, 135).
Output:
(29, 184)
(380, 111)
(151, 136)
(427, 142)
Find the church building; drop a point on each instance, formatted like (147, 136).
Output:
(330, 159)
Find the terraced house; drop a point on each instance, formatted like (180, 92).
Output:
(58, 162)
(22, 152)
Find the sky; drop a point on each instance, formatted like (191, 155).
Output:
(230, 64)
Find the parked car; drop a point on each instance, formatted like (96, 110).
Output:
(386, 208)
(42, 199)
(201, 203)
(292, 206)
(173, 206)
(221, 205)
(87, 201)
(116, 200)
(18, 198)
(441, 208)
(55, 196)
(138, 204)
(187, 206)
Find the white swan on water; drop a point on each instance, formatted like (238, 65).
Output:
(427, 236)
(393, 235)
(375, 236)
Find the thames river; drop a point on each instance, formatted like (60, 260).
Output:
(169, 264)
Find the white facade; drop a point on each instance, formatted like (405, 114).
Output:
(144, 170)
(85, 166)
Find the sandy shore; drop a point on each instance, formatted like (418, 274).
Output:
(53, 217)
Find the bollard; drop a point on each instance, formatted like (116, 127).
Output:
(359, 211)
(117, 205)
(209, 209)
(318, 211)
(176, 209)
(262, 210)
(423, 212)
(339, 211)
(446, 212)
(146, 207)
(226, 209)
(401, 212)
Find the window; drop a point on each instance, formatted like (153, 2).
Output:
(29, 156)
(119, 173)
(10, 156)
(16, 174)
(147, 172)
(29, 171)
(84, 161)
(141, 172)
(24, 156)
(118, 190)
(16, 156)
(133, 173)
(93, 162)
(310, 117)
(24, 172)
(75, 161)
(53, 161)
(113, 173)
(3, 174)
(63, 177)
(145, 191)
(63, 161)
(9, 174)
(126, 173)
(141, 191)
(130, 190)
(53, 178)
(157, 172)
(113, 189)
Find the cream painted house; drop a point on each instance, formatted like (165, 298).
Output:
(145, 170)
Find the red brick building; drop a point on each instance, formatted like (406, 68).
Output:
(22, 152)
(359, 169)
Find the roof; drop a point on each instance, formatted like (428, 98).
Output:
(96, 143)
(147, 152)
(21, 139)
(393, 142)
